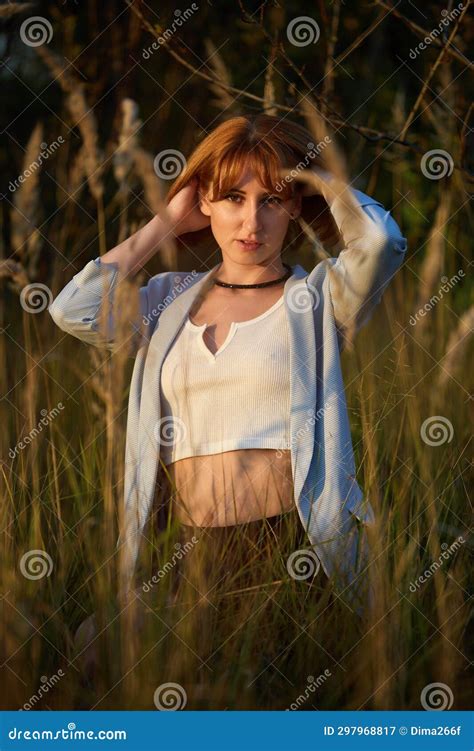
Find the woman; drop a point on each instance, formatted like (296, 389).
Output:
(237, 389)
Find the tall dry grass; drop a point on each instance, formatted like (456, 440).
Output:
(250, 649)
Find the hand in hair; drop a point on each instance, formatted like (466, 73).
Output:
(184, 212)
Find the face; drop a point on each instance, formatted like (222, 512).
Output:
(249, 212)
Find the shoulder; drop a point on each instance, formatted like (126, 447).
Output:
(168, 281)
(318, 275)
(165, 287)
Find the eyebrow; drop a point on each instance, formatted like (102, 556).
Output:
(237, 190)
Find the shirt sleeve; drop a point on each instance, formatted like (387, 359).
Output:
(373, 250)
(85, 308)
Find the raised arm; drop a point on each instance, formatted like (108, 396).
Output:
(86, 307)
(374, 249)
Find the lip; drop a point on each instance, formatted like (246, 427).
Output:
(249, 245)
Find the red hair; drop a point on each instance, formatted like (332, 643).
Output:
(266, 144)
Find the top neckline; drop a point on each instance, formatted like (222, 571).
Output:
(239, 324)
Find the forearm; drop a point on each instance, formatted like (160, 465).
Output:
(134, 252)
(363, 223)
(77, 308)
(373, 250)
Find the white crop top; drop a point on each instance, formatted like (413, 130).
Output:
(237, 398)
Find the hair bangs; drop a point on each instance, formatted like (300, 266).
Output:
(265, 144)
(265, 162)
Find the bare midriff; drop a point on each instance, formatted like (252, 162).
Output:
(238, 486)
(233, 487)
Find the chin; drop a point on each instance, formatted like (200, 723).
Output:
(251, 258)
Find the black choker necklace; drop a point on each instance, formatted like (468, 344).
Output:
(257, 286)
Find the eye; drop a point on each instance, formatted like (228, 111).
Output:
(270, 200)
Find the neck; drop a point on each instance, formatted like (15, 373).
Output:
(234, 273)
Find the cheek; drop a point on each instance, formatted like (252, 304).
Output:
(279, 223)
(223, 217)
(220, 226)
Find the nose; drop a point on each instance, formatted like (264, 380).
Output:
(252, 220)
